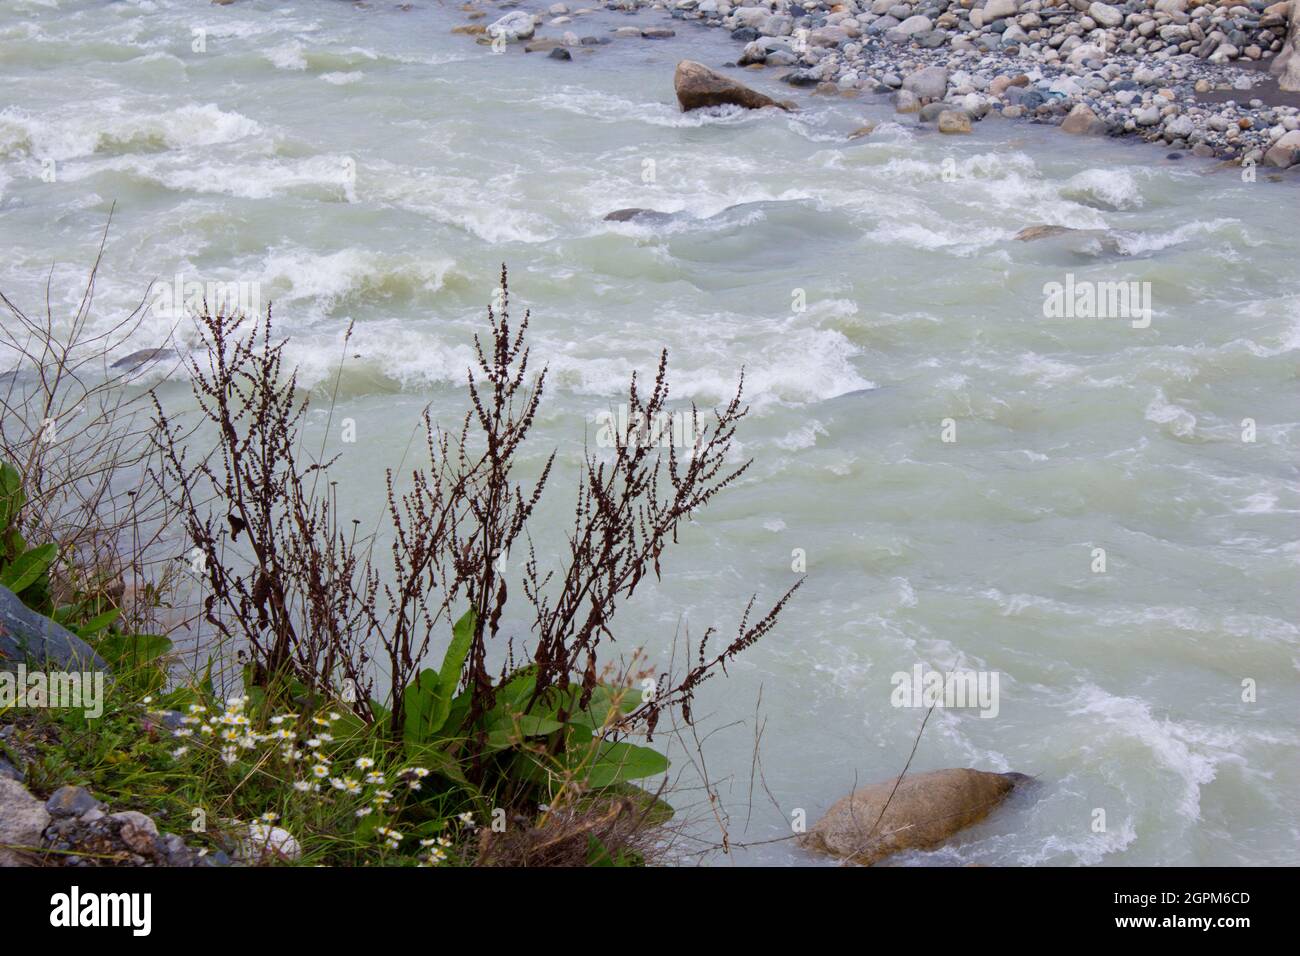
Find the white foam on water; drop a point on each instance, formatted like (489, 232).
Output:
(805, 436)
(82, 131)
(1178, 420)
(297, 275)
(612, 108)
(343, 78)
(956, 238)
(1133, 244)
(1112, 188)
(484, 208)
(1185, 751)
(287, 56)
(1262, 503)
(324, 177)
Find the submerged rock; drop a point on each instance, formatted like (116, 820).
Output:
(516, 25)
(637, 213)
(924, 811)
(143, 357)
(954, 122)
(1030, 233)
(697, 86)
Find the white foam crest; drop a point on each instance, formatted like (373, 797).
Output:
(980, 167)
(87, 131)
(287, 56)
(1177, 748)
(1133, 244)
(1091, 850)
(957, 238)
(611, 108)
(343, 78)
(1113, 188)
(261, 180)
(485, 207)
(1044, 370)
(1178, 420)
(1259, 504)
(298, 275)
(805, 436)
(412, 357)
(800, 366)
(245, 29)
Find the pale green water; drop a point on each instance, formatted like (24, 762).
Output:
(1121, 690)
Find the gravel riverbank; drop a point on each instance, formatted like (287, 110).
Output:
(1186, 74)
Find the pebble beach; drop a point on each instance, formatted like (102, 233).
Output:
(1185, 74)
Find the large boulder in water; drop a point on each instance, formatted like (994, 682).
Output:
(143, 357)
(697, 86)
(516, 25)
(638, 214)
(925, 810)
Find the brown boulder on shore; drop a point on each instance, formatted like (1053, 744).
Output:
(1286, 65)
(926, 809)
(697, 86)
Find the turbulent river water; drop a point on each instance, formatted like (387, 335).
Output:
(361, 163)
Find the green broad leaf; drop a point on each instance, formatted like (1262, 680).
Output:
(120, 649)
(599, 763)
(27, 567)
(607, 705)
(98, 623)
(515, 690)
(618, 762)
(12, 497)
(510, 729)
(462, 636)
(530, 725)
(418, 700)
(656, 810)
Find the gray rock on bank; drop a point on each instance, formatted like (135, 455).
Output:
(23, 819)
(27, 636)
(80, 832)
(925, 810)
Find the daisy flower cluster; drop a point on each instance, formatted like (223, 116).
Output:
(308, 752)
